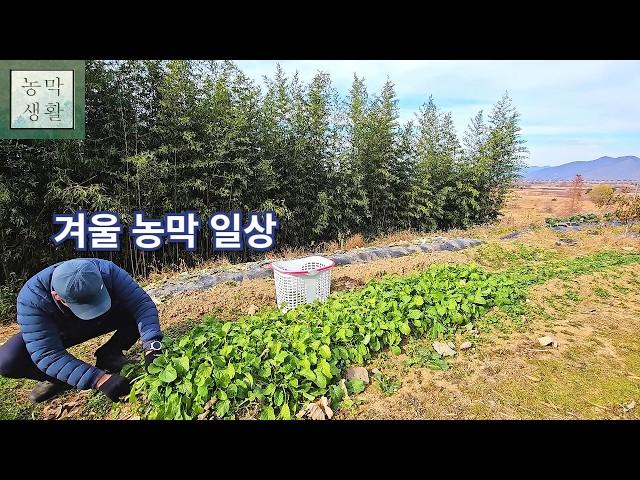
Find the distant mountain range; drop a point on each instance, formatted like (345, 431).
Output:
(603, 168)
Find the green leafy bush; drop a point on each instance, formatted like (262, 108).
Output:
(275, 363)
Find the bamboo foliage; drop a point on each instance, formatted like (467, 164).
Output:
(166, 136)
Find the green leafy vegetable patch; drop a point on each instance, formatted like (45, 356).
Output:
(274, 363)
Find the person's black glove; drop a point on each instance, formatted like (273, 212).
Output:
(115, 387)
(150, 356)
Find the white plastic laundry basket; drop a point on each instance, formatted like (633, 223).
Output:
(302, 280)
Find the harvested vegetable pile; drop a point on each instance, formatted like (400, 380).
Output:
(272, 364)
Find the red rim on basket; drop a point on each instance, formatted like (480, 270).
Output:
(303, 272)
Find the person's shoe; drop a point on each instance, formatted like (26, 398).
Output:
(45, 390)
(111, 362)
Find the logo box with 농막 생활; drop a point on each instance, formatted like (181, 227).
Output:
(42, 99)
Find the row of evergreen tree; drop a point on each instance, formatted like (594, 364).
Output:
(166, 136)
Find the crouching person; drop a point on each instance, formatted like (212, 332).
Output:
(67, 304)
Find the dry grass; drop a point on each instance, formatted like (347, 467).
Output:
(287, 253)
(216, 264)
(354, 241)
(398, 237)
(333, 246)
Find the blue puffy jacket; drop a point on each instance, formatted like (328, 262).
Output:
(39, 316)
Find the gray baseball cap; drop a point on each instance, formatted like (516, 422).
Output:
(79, 284)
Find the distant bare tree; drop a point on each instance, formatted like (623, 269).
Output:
(575, 194)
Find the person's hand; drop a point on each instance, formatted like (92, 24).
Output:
(150, 356)
(153, 351)
(105, 376)
(113, 386)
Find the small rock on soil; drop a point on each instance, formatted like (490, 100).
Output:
(358, 373)
(444, 349)
(548, 340)
(629, 406)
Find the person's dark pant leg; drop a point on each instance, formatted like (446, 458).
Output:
(15, 361)
(126, 331)
(125, 336)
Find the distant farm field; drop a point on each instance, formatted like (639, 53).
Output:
(532, 202)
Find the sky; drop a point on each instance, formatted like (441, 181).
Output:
(570, 110)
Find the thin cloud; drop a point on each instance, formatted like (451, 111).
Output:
(570, 110)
